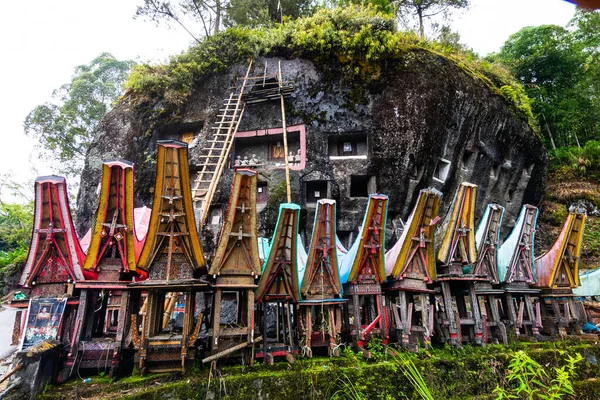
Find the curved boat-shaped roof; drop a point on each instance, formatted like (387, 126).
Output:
(322, 271)
(55, 254)
(487, 240)
(458, 243)
(558, 268)
(279, 280)
(366, 256)
(589, 283)
(413, 254)
(237, 252)
(172, 249)
(115, 232)
(516, 255)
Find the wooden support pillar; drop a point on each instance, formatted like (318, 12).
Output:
(479, 323)
(357, 320)
(308, 319)
(16, 335)
(512, 314)
(532, 316)
(289, 307)
(404, 319)
(216, 319)
(451, 319)
(500, 327)
(264, 329)
(250, 313)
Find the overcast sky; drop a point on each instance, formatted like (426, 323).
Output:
(41, 42)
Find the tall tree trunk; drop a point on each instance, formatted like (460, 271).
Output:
(217, 16)
(549, 132)
(421, 27)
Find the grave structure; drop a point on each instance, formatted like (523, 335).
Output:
(322, 307)
(172, 312)
(236, 267)
(54, 263)
(116, 241)
(558, 274)
(362, 273)
(517, 275)
(459, 312)
(410, 266)
(278, 288)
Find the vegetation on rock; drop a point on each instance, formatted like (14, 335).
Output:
(356, 41)
(448, 373)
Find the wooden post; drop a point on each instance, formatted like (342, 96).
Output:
(529, 305)
(250, 315)
(285, 143)
(216, 320)
(308, 313)
(453, 327)
(289, 323)
(16, 336)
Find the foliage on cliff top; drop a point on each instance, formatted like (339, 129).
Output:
(360, 39)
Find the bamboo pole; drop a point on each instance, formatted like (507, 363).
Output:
(285, 144)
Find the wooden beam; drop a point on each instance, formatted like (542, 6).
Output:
(230, 350)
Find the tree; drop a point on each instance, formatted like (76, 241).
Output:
(212, 15)
(208, 13)
(66, 127)
(550, 62)
(422, 9)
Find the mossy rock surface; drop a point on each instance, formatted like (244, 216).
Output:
(468, 373)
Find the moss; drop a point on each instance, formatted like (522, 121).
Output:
(468, 373)
(354, 42)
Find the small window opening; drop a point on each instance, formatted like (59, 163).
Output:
(315, 191)
(467, 157)
(362, 185)
(262, 194)
(495, 171)
(441, 170)
(509, 195)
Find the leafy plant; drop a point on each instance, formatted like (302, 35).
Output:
(411, 372)
(346, 390)
(375, 347)
(527, 379)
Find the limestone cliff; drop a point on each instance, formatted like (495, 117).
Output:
(421, 120)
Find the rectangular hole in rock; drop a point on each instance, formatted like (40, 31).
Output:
(362, 185)
(262, 193)
(442, 170)
(316, 190)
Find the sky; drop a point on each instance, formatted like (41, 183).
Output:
(42, 42)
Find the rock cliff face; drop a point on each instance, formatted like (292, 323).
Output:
(422, 122)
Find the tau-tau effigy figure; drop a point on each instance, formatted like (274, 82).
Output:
(410, 266)
(558, 274)
(173, 261)
(363, 272)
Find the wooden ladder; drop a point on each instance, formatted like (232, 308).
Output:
(216, 155)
